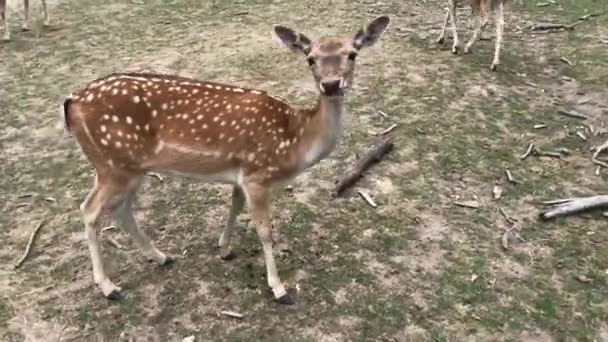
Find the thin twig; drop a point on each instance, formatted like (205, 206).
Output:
(367, 198)
(529, 151)
(566, 60)
(231, 314)
(107, 228)
(383, 114)
(510, 177)
(114, 243)
(504, 214)
(572, 114)
(540, 126)
(387, 131)
(157, 176)
(581, 135)
(28, 248)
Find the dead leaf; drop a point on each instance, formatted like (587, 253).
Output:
(583, 278)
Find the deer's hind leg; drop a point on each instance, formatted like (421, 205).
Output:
(124, 217)
(112, 193)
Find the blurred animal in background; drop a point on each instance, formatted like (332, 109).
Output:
(26, 17)
(480, 11)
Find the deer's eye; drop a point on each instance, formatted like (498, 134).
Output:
(311, 61)
(352, 56)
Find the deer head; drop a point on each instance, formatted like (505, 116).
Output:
(332, 60)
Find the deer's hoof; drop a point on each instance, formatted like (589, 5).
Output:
(286, 299)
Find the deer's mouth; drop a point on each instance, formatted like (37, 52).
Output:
(333, 87)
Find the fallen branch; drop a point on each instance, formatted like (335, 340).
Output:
(28, 248)
(551, 27)
(372, 156)
(573, 205)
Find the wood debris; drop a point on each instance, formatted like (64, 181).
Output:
(383, 114)
(581, 135)
(372, 156)
(540, 126)
(386, 131)
(568, 206)
(510, 177)
(28, 248)
(231, 314)
(532, 150)
(566, 60)
(468, 204)
(367, 198)
(157, 176)
(572, 114)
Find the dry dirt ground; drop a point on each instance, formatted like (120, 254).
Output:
(417, 268)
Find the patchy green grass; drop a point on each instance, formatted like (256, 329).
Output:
(417, 268)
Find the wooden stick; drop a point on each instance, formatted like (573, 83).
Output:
(157, 176)
(367, 198)
(573, 206)
(510, 177)
(231, 314)
(28, 248)
(372, 156)
(566, 60)
(529, 151)
(383, 114)
(572, 114)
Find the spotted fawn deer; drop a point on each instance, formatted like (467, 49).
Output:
(481, 10)
(26, 17)
(132, 123)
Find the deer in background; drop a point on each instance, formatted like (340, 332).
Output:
(26, 17)
(132, 123)
(481, 10)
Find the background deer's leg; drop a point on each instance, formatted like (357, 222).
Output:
(6, 36)
(441, 38)
(257, 199)
(452, 14)
(47, 20)
(500, 23)
(238, 201)
(26, 15)
(480, 23)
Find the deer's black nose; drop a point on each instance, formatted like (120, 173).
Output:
(331, 88)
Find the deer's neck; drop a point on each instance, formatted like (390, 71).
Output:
(322, 131)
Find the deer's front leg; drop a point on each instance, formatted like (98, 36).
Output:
(257, 199)
(452, 15)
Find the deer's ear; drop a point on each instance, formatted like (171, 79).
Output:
(372, 33)
(296, 41)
